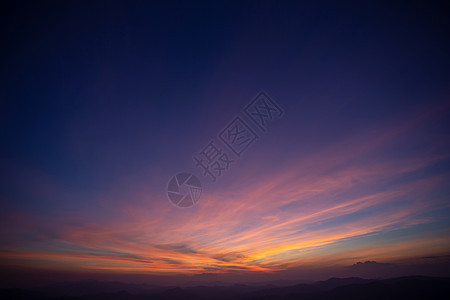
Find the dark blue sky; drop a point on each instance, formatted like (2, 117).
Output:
(101, 103)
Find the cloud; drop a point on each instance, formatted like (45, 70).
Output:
(181, 248)
(370, 264)
(329, 208)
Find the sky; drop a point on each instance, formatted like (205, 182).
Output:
(103, 103)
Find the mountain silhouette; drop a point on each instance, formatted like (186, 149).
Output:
(414, 287)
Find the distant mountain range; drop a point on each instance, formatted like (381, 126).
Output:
(417, 287)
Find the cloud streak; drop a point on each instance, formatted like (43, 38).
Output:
(312, 211)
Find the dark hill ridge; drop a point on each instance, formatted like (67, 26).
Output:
(337, 282)
(416, 287)
(85, 287)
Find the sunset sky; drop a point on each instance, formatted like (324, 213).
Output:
(102, 103)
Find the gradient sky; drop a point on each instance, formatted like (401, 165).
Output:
(102, 103)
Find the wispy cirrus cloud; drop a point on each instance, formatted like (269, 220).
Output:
(303, 213)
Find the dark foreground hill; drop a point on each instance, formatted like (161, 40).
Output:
(417, 287)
